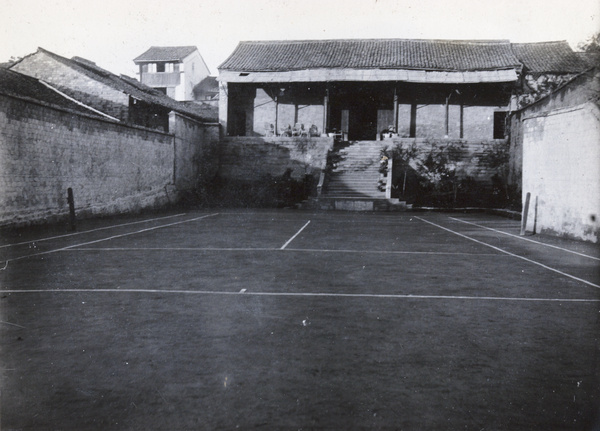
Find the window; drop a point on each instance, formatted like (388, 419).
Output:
(151, 68)
(160, 67)
(499, 124)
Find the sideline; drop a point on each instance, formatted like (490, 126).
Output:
(91, 230)
(526, 239)
(509, 253)
(109, 238)
(245, 292)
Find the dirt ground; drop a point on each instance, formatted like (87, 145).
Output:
(204, 321)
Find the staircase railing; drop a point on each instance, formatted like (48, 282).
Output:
(388, 180)
(320, 183)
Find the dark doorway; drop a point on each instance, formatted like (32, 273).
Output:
(363, 120)
(237, 126)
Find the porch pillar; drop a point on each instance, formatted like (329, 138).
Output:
(395, 110)
(447, 116)
(276, 115)
(326, 110)
(462, 107)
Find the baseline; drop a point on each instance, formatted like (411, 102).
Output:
(245, 292)
(510, 254)
(290, 250)
(526, 239)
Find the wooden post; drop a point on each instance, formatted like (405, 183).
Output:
(462, 134)
(276, 115)
(326, 110)
(447, 116)
(71, 201)
(524, 214)
(413, 120)
(395, 110)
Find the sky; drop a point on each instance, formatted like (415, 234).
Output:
(113, 32)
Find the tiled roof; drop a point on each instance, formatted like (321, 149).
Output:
(165, 53)
(442, 55)
(548, 57)
(127, 85)
(25, 87)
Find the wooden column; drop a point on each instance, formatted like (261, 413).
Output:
(395, 110)
(447, 116)
(276, 115)
(326, 110)
(462, 107)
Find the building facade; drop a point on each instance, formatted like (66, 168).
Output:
(174, 70)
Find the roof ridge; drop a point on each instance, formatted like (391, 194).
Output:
(294, 41)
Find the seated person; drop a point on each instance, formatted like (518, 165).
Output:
(287, 131)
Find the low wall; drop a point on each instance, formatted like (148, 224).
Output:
(249, 158)
(111, 168)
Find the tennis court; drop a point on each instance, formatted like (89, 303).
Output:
(289, 319)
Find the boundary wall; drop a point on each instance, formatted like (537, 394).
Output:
(112, 168)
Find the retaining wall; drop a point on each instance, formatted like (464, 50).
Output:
(249, 158)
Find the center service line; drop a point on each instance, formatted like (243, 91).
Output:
(509, 253)
(292, 238)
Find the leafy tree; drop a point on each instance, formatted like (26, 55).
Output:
(591, 45)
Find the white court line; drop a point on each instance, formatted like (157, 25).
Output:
(300, 250)
(292, 238)
(526, 239)
(510, 254)
(303, 294)
(109, 238)
(91, 230)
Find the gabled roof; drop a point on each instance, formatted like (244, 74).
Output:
(28, 88)
(125, 84)
(434, 55)
(207, 85)
(549, 57)
(165, 53)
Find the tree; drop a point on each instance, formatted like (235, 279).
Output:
(591, 45)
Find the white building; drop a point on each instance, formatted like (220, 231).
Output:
(176, 70)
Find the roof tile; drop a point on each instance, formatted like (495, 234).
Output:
(165, 53)
(451, 55)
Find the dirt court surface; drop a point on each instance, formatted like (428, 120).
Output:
(277, 320)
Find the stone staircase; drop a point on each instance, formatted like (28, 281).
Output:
(356, 172)
(353, 184)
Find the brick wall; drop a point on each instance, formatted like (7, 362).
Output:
(110, 167)
(251, 158)
(196, 151)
